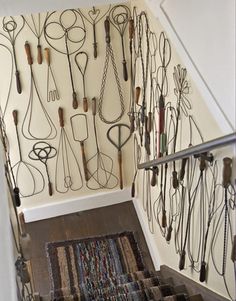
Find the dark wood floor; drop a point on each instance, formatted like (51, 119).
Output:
(100, 221)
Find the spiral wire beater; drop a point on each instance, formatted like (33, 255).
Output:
(66, 34)
(12, 30)
(93, 17)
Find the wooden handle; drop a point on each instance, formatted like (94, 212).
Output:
(94, 106)
(50, 188)
(15, 117)
(84, 161)
(85, 104)
(107, 30)
(120, 169)
(175, 181)
(202, 165)
(39, 54)
(133, 190)
(75, 101)
(47, 56)
(169, 232)
(163, 143)
(17, 200)
(131, 29)
(182, 260)
(61, 117)
(28, 53)
(163, 220)
(202, 276)
(233, 253)
(24, 273)
(18, 83)
(125, 72)
(227, 172)
(95, 50)
(137, 94)
(154, 176)
(182, 170)
(132, 119)
(22, 222)
(146, 123)
(149, 122)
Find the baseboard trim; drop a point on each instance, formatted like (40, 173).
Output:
(87, 202)
(147, 234)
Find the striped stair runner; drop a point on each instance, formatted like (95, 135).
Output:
(138, 286)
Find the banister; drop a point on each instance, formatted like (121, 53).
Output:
(193, 150)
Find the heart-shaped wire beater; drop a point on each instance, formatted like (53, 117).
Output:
(93, 18)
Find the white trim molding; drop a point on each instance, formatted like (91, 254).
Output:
(63, 207)
(149, 237)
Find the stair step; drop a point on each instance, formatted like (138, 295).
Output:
(138, 286)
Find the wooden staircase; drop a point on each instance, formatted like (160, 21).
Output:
(170, 285)
(138, 286)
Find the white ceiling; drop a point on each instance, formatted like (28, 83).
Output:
(18, 7)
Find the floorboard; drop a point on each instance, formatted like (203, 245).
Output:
(100, 221)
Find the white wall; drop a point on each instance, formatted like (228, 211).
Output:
(204, 34)
(93, 79)
(7, 270)
(14, 7)
(210, 129)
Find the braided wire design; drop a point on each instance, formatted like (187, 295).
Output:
(110, 54)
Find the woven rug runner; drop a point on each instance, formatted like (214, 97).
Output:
(91, 260)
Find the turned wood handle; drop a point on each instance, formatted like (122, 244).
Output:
(163, 220)
(28, 53)
(182, 260)
(75, 101)
(17, 200)
(39, 54)
(182, 170)
(107, 30)
(95, 50)
(154, 177)
(137, 94)
(131, 29)
(149, 122)
(18, 83)
(233, 253)
(94, 106)
(120, 168)
(125, 71)
(227, 171)
(132, 119)
(22, 223)
(133, 190)
(47, 56)
(202, 276)
(146, 123)
(84, 161)
(15, 117)
(85, 104)
(202, 165)
(175, 182)
(169, 231)
(61, 117)
(50, 188)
